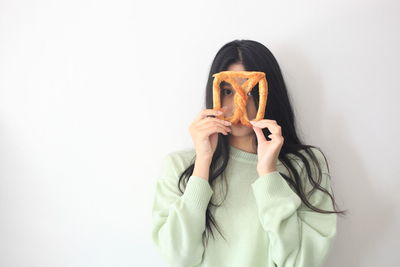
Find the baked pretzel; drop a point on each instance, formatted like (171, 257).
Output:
(240, 98)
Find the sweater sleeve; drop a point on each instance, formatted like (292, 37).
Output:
(299, 237)
(179, 219)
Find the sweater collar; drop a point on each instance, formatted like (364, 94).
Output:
(242, 155)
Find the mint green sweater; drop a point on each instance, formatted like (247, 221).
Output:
(262, 218)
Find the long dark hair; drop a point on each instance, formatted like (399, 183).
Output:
(256, 57)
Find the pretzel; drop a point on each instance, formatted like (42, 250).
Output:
(240, 98)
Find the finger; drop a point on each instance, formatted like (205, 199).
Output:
(265, 120)
(214, 129)
(208, 120)
(211, 131)
(272, 126)
(211, 124)
(260, 135)
(208, 112)
(275, 136)
(224, 109)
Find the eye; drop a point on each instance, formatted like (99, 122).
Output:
(226, 91)
(249, 94)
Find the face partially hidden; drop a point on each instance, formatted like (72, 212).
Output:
(227, 100)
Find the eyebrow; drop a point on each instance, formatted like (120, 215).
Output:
(225, 84)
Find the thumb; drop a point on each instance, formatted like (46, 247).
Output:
(259, 133)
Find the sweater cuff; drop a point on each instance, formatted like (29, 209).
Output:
(271, 186)
(198, 192)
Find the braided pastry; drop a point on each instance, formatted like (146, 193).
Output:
(240, 98)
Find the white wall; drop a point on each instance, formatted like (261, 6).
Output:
(91, 100)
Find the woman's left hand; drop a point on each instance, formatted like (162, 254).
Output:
(267, 151)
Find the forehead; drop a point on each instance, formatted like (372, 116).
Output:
(237, 67)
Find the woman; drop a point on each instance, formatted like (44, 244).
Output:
(268, 194)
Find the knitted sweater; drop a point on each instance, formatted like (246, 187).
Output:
(263, 220)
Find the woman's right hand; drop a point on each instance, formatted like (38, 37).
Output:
(204, 131)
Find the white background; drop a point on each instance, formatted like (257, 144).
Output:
(93, 94)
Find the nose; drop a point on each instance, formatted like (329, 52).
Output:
(227, 109)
